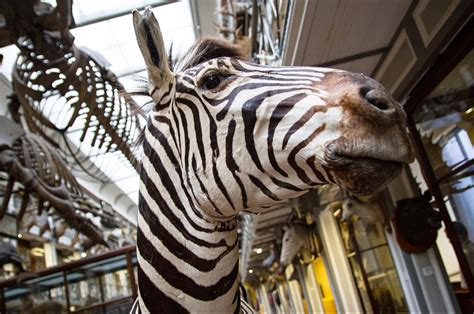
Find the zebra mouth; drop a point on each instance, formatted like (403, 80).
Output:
(363, 175)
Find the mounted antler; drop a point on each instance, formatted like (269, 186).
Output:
(416, 223)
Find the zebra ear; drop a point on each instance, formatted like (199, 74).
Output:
(150, 41)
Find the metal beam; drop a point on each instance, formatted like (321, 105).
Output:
(121, 13)
(357, 56)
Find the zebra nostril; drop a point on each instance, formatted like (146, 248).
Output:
(376, 98)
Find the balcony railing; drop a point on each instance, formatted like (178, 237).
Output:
(98, 284)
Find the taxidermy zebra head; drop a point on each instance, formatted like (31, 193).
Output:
(226, 136)
(246, 135)
(297, 237)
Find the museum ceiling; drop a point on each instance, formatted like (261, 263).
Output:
(377, 38)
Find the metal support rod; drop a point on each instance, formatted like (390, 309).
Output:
(101, 290)
(301, 276)
(3, 308)
(133, 283)
(277, 17)
(66, 290)
(359, 293)
(254, 22)
(365, 277)
(456, 170)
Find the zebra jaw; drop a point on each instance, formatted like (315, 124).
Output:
(364, 168)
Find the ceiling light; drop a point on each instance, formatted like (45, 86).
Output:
(83, 254)
(258, 250)
(250, 271)
(468, 111)
(39, 252)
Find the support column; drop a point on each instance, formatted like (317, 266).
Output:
(338, 263)
(50, 255)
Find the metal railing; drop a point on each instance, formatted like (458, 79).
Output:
(96, 284)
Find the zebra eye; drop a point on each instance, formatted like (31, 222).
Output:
(212, 81)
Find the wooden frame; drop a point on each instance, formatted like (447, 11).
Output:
(457, 49)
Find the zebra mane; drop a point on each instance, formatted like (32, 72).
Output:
(207, 48)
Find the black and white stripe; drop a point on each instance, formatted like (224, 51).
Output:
(211, 152)
(250, 136)
(245, 308)
(227, 136)
(206, 158)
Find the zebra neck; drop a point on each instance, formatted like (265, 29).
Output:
(186, 262)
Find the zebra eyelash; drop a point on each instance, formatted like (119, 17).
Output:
(222, 73)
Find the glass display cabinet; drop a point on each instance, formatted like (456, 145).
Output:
(372, 267)
(98, 284)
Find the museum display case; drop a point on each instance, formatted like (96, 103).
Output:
(97, 284)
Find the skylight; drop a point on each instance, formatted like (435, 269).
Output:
(114, 38)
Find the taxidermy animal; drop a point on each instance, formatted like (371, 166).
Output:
(226, 136)
(369, 213)
(298, 237)
(416, 224)
(31, 161)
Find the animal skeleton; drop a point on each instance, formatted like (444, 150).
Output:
(66, 95)
(72, 102)
(31, 161)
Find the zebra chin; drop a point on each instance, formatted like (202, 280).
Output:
(364, 176)
(365, 163)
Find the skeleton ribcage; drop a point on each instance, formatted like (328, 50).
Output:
(76, 104)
